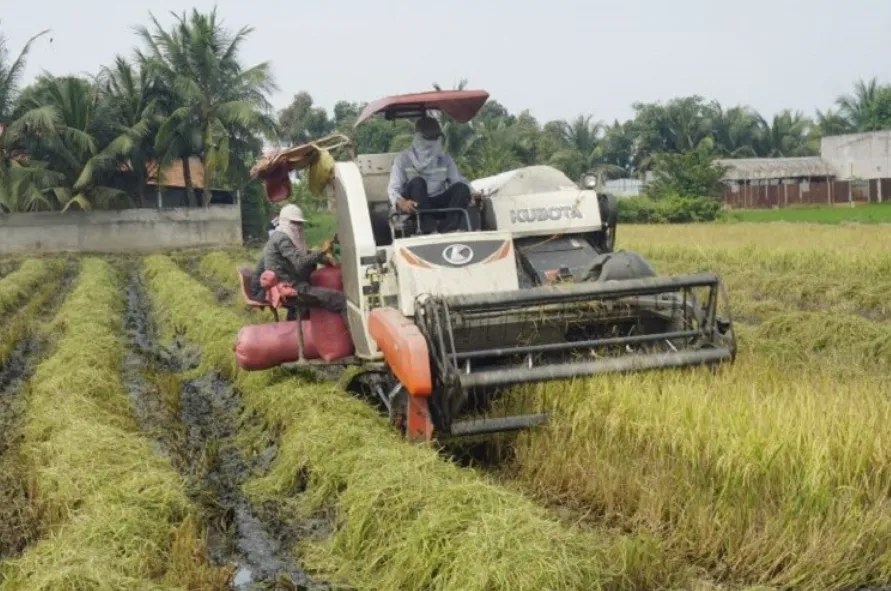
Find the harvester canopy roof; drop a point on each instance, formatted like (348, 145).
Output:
(523, 181)
(460, 105)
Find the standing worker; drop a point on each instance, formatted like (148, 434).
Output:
(287, 256)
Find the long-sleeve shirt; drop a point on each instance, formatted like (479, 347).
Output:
(440, 178)
(289, 263)
(257, 289)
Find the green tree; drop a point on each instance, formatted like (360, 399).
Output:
(57, 121)
(789, 134)
(693, 173)
(216, 97)
(23, 180)
(831, 122)
(132, 109)
(301, 122)
(868, 108)
(736, 131)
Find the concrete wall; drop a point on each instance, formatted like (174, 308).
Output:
(859, 155)
(132, 230)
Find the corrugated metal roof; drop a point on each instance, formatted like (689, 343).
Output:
(775, 168)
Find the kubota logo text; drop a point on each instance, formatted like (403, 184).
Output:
(457, 254)
(543, 214)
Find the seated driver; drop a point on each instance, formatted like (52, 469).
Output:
(425, 177)
(286, 254)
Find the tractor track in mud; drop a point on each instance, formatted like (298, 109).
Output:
(20, 525)
(193, 422)
(224, 294)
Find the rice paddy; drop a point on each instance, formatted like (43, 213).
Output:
(136, 456)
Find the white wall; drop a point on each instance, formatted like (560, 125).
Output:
(859, 155)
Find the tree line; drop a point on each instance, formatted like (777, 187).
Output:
(497, 140)
(184, 93)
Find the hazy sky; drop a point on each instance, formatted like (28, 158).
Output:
(557, 58)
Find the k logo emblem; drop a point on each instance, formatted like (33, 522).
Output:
(457, 254)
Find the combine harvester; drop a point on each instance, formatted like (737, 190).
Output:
(442, 324)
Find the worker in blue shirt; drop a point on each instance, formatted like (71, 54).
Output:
(425, 177)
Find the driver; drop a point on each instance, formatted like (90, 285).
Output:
(285, 254)
(425, 177)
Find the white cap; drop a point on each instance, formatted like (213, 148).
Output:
(291, 213)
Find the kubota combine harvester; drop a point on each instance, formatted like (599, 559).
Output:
(441, 324)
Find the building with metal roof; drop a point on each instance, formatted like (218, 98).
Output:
(747, 169)
(850, 167)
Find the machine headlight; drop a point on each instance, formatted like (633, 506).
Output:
(589, 181)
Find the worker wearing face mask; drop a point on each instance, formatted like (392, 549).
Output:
(425, 177)
(286, 254)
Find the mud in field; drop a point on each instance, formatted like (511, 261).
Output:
(17, 516)
(224, 294)
(194, 423)
(19, 525)
(8, 266)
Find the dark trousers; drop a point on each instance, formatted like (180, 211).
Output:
(456, 196)
(320, 297)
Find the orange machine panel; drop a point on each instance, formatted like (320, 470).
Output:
(404, 348)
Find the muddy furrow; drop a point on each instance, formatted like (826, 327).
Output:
(8, 266)
(16, 511)
(226, 291)
(194, 423)
(17, 514)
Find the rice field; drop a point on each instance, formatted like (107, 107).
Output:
(133, 454)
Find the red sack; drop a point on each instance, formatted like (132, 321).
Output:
(331, 333)
(263, 346)
(277, 184)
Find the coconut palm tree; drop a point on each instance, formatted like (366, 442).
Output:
(11, 71)
(863, 109)
(831, 122)
(132, 105)
(56, 123)
(789, 134)
(22, 179)
(198, 61)
(735, 131)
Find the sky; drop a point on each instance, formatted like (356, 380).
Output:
(557, 58)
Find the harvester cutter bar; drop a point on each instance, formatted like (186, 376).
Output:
(570, 292)
(508, 376)
(496, 425)
(554, 347)
(481, 344)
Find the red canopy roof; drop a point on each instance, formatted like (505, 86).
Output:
(461, 105)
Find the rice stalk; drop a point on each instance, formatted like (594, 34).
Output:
(403, 518)
(116, 511)
(15, 287)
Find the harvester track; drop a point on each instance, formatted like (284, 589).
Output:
(193, 421)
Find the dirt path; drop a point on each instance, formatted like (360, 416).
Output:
(194, 423)
(17, 514)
